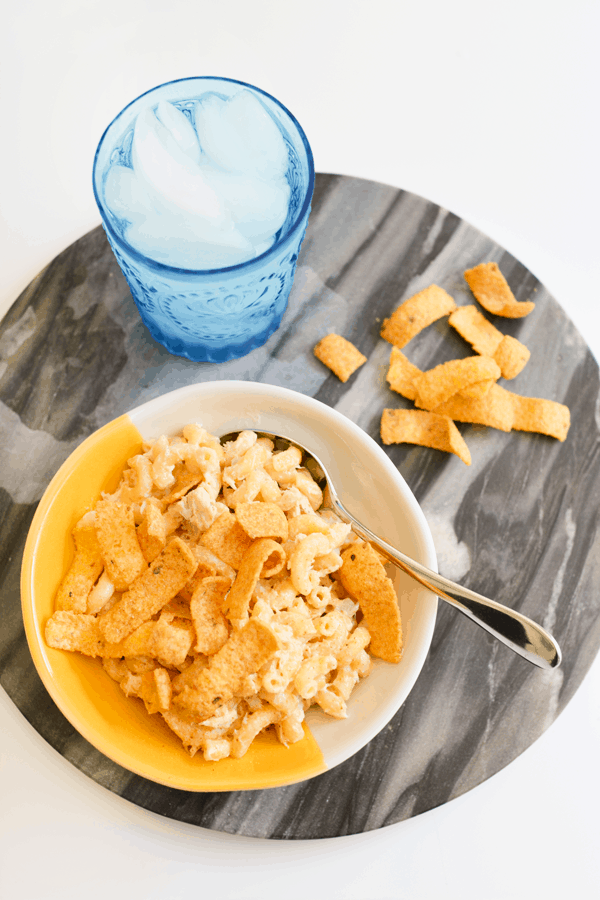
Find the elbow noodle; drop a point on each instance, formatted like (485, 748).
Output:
(252, 725)
(284, 702)
(362, 664)
(309, 487)
(320, 597)
(290, 730)
(302, 558)
(311, 674)
(357, 642)
(236, 449)
(274, 682)
(344, 682)
(252, 459)
(331, 703)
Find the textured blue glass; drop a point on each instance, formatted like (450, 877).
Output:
(210, 315)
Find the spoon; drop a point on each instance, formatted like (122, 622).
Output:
(517, 631)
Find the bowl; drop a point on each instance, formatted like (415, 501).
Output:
(120, 727)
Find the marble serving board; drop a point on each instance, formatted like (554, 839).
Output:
(519, 525)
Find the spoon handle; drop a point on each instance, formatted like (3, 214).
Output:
(518, 632)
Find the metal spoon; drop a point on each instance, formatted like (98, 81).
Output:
(517, 631)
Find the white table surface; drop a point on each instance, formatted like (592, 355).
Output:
(490, 110)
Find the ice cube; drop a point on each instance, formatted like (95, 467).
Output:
(169, 174)
(259, 208)
(124, 195)
(180, 128)
(240, 136)
(260, 135)
(216, 137)
(175, 243)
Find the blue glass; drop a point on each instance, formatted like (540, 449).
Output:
(210, 315)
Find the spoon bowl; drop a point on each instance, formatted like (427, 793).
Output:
(96, 706)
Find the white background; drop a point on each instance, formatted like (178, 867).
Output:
(489, 109)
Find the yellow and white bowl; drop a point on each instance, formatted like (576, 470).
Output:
(119, 727)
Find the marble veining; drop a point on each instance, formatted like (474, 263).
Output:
(519, 525)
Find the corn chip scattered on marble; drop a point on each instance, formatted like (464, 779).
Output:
(510, 354)
(436, 385)
(507, 411)
(415, 314)
(425, 428)
(495, 409)
(491, 290)
(401, 374)
(339, 355)
(478, 390)
(541, 416)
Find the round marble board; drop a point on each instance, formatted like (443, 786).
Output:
(518, 525)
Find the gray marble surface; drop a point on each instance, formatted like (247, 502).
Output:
(519, 525)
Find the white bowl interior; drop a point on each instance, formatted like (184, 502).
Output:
(373, 490)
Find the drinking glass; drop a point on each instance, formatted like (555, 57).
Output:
(209, 315)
